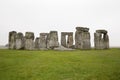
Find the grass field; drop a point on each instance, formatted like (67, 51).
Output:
(60, 65)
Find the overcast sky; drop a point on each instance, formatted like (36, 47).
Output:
(61, 15)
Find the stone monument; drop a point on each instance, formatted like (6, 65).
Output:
(43, 40)
(29, 40)
(19, 41)
(37, 43)
(69, 42)
(12, 40)
(52, 40)
(82, 38)
(101, 39)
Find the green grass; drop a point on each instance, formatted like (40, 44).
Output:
(60, 65)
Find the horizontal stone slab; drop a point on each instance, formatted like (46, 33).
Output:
(29, 35)
(101, 31)
(67, 33)
(84, 29)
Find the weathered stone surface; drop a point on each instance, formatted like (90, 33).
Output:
(69, 40)
(19, 41)
(29, 40)
(43, 40)
(29, 35)
(82, 38)
(52, 40)
(37, 43)
(12, 40)
(101, 31)
(83, 29)
(101, 39)
(62, 48)
(63, 40)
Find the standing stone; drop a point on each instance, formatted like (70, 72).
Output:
(19, 41)
(63, 39)
(12, 39)
(101, 39)
(69, 42)
(29, 40)
(82, 38)
(52, 40)
(37, 43)
(43, 40)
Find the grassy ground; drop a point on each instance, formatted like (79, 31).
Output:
(60, 65)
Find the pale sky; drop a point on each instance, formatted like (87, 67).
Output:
(61, 15)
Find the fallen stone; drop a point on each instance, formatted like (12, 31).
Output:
(62, 48)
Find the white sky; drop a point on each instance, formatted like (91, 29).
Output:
(61, 15)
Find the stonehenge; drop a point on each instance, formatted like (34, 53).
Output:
(52, 40)
(37, 42)
(101, 39)
(69, 36)
(12, 39)
(19, 41)
(49, 40)
(43, 40)
(82, 38)
(29, 40)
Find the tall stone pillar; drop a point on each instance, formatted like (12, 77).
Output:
(69, 42)
(101, 39)
(82, 38)
(63, 39)
(29, 40)
(12, 40)
(52, 40)
(19, 41)
(37, 43)
(43, 40)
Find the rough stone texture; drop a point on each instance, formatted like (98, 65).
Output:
(29, 40)
(29, 35)
(101, 31)
(82, 38)
(52, 40)
(83, 29)
(19, 41)
(43, 40)
(37, 43)
(69, 40)
(101, 39)
(62, 48)
(12, 40)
